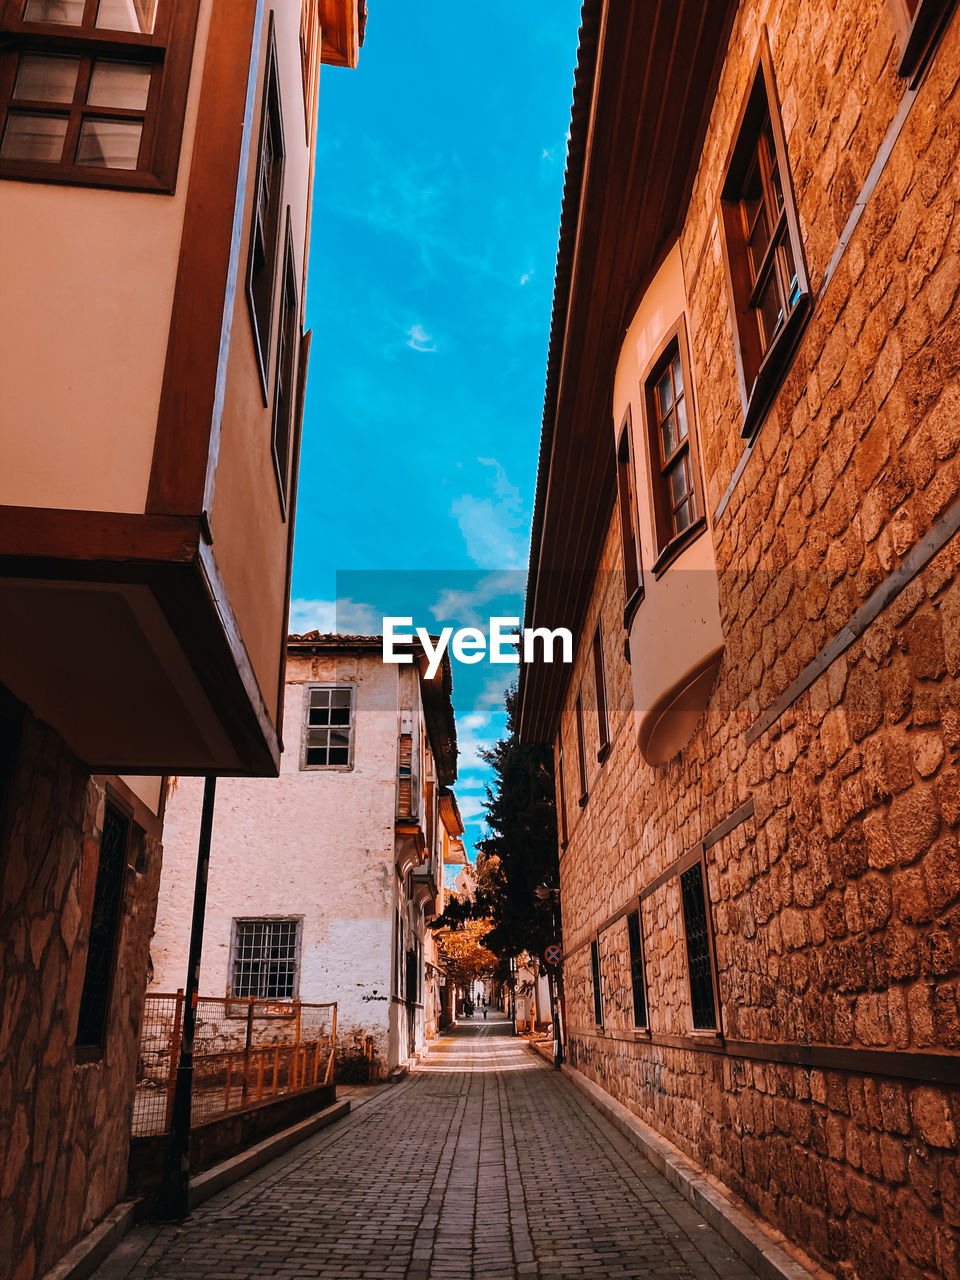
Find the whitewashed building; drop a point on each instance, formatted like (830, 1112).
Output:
(322, 881)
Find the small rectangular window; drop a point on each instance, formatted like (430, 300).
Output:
(563, 799)
(104, 928)
(266, 959)
(919, 24)
(581, 753)
(696, 925)
(603, 728)
(284, 388)
(93, 92)
(637, 975)
(766, 277)
(264, 252)
(630, 539)
(595, 973)
(327, 727)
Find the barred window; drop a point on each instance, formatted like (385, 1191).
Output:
(696, 926)
(327, 727)
(104, 928)
(637, 976)
(266, 959)
(595, 973)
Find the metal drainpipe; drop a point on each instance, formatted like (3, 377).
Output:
(173, 1199)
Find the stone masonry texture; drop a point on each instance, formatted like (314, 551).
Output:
(836, 905)
(485, 1165)
(64, 1123)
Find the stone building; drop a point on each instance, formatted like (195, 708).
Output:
(322, 880)
(747, 511)
(155, 169)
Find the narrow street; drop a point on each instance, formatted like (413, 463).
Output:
(484, 1163)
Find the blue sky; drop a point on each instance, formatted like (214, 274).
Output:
(437, 200)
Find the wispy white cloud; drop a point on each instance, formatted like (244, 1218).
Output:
(347, 616)
(466, 604)
(419, 340)
(527, 276)
(494, 527)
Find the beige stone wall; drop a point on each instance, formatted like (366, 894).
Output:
(835, 906)
(64, 1124)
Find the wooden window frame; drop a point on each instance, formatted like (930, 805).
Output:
(629, 520)
(305, 725)
(581, 753)
(596, 976)
(168, 49)
(698, 858)
(644, 1024)
(600, 685)
(93, 1049)
(562, 797)
(289, 338)
(669, 545)
(760, 371)
(310, 37)
(918, 33)
(271, 117)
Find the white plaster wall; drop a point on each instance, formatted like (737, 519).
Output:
(318, 844)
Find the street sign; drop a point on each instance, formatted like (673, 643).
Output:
(553, 954)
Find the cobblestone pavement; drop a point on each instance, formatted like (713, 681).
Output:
(484, 1163)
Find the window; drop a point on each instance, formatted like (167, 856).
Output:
(284, 386)
(677, 492)
(637, 976)
(266, 959)
(265, 232)
(563, 798)
(104, 928)
(696, 925)
(309, 56)
(603, 728)
(632, 568)
(919, 24)
(581, 753)
(327, 727)
(595, 973)
(93, 92)
(405, 775)
(766, 277)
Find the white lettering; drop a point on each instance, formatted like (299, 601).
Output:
(390, 638)
(499, 638)
(469, 645)
(549, 639)
(434, 655)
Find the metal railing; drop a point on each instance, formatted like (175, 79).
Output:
(244, 1051)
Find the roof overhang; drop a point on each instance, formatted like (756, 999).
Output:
(342, 25)
(645, 84)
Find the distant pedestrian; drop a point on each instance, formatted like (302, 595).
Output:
(484, 1013)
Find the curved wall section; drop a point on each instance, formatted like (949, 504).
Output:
(675, 637)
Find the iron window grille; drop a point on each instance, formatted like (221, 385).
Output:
(595, 974)
(763, 253)
(94, 92)
(104, 928)
(637, 974)
(699, 938)
(266, 959)
(328, 721)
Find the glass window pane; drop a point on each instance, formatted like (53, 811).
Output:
(664, 394)
(119, 84)
(338, 755)
(66, 11)
(678, 480)
(33, 137)
(757, 243)
(111, 144)
(771, 310)
(127, 15)
(341, 697)
(316, 755)
(45, 79)
(789, 269)
(668, 435)
(681, 412)
(340, 715)
(683, 517)
(319, 715)
(319, 697)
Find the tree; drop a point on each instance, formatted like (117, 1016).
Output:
(463, 955)
(520, 854)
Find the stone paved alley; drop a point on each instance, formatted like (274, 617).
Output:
(483, 1163)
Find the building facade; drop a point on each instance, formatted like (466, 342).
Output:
(322, 881)
(747, 511)
(156, 160)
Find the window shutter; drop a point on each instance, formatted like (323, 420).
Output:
(405, 778)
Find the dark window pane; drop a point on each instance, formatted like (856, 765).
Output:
(339, 755)
(66, 11)
(597, 998)
(693, 897)
(664, 391)
(678, 479)
(33, 137)
(104, 927)
(45, 79)
(319, 715)
(636, 969)
(316, 755)
(770, 308)
(668, 435)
